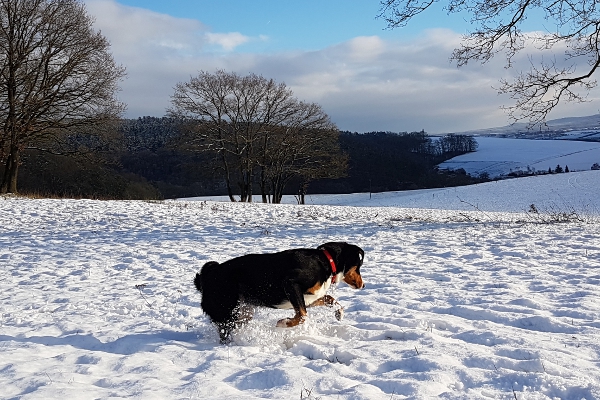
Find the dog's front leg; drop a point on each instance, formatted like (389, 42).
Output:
(329, 301)
(295, 296)
(326, 300)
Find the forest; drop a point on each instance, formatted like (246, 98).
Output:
(149, 158)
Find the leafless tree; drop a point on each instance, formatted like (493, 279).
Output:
(305, 146)
(572, 42)
(57, 78)
(456, 144)
(257, 128)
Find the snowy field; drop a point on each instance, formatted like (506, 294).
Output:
(500, 156)
(588, 134)
(97, 301)
(559, 192)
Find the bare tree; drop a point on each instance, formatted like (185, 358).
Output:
(232, 111)
(456, 144)
(256, 127)
(56, 77)
(572, 42)
(305, 146)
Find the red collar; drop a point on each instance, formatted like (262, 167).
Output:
(333, 268)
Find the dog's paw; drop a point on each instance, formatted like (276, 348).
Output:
(290, 322)
(283, 323)
(328, 300)
(339, 314)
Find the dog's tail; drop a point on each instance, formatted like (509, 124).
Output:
(207, 269)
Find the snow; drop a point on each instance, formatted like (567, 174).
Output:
(463, 301)
(565, 192)
(500, 156)
(587, 134)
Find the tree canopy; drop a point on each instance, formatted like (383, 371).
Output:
(568, 39)
(258, 131)
(57, 77)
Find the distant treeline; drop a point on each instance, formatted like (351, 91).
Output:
(387, 161)
(148, 158)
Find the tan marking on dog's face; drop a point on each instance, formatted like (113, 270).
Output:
(314, 289)
(353, 278)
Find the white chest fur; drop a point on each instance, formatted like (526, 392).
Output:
(311, 298)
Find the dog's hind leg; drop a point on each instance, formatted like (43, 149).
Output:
(221, 308)
(219, 303)
(244, 313)
(225, 321)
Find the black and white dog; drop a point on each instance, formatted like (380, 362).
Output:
(294, 278)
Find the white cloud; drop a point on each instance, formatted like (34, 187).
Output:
(365, 48)
(229, 41)
(364, 84)
(132, 29)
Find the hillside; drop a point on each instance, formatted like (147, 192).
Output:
(587, 128)
(500, 156)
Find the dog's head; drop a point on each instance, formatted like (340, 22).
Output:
(348, 258)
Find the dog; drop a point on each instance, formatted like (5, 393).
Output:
(297, 278)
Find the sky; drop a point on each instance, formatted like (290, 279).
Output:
(335, 53)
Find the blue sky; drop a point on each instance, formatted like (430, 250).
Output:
(295, 25)
(333, 52)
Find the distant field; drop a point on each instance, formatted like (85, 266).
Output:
(582, 135)
(500, 156)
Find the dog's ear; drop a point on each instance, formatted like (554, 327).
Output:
(334, 248)
(353, 256)
(345, 255)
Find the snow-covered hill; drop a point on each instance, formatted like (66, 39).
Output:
(463, 300)
(500, 156)
(556, 128)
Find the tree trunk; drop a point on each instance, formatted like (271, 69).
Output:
(302, 192)
(277, 191)
(249, 190)
(230, 192)
(263, 191)
(243, 183)
(227, 178)
(264, 187)
(11, 169)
